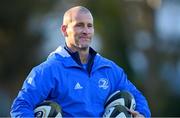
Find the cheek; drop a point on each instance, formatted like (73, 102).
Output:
(71, 35)
(92, 32)
(74, 33)
(70, 31)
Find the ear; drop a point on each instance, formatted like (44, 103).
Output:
(63, 29)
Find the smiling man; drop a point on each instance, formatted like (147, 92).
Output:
(75, 76)
(78, 30)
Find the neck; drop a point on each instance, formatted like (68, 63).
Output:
(83, 53)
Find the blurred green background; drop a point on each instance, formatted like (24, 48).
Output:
(142, 36)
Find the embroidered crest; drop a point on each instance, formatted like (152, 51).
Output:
(103, 83)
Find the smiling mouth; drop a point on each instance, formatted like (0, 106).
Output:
(84, 38)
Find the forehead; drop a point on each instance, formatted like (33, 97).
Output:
(82, 17)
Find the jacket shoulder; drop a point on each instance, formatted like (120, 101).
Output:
(48, 64)
(109, 62)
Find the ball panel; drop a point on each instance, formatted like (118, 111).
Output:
(119, 101)
(129, 100)
(108, 112)
(121, 98)
(47, 109)
(121, 110)
(42, 111)
(117, 112)
(112, 97)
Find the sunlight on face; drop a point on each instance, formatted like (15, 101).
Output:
(80, 30)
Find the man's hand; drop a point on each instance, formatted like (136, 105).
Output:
(136, 114)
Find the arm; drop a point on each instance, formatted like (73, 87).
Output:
(35, 89)
(142, 107)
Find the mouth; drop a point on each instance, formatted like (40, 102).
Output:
(84, 37)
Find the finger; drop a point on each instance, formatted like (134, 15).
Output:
(133, 112)
(136, 114)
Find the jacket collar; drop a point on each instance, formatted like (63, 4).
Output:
(76, 58)
(70, 59)
(61, 54)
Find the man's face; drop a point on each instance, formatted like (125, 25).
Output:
(80, 30)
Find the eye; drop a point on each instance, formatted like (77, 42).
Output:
(79, 25)
(90, 25)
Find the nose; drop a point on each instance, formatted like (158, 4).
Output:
(85, 30)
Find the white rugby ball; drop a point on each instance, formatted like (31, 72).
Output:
(124, 98)
(118, 111)
(48, 109)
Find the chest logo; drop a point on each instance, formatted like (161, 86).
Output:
(77, 86)
(103, 83)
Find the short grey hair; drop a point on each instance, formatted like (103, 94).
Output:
(68, 13)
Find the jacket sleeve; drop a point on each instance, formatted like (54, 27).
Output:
(124, 84)
(35, 89)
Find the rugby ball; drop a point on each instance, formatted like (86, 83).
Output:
(118, 111)
(124, 98)
(48, 109)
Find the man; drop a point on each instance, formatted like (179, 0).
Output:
(75, 76)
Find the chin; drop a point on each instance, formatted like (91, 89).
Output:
(83, 46)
